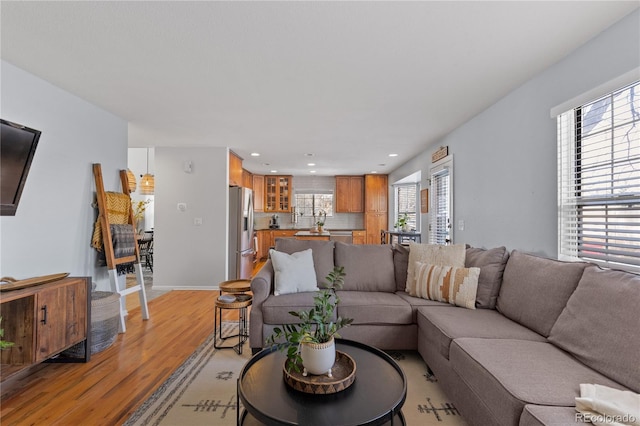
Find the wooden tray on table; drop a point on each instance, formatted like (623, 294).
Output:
(30, 282)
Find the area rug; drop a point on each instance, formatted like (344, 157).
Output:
(203, 391)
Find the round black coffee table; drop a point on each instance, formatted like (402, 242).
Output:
(375, 398)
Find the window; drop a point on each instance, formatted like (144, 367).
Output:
(310, 203)
(440, 231)
(599, 181)
(407, 203)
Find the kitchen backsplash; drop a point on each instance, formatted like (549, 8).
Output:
(337, 221)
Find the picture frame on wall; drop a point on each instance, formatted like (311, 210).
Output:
(424, 201)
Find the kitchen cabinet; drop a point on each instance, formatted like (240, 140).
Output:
(247, 179)
(376, 193)
(349, 194)
(374, 223)
(277, 192)
(44, 320)
(376, 200)
(359, 237)
(258, 193)
(235, 169)
(283, 233)
(267, 239)
(264, 243)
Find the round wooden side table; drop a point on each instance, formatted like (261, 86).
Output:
(235, 298)
(235, 286)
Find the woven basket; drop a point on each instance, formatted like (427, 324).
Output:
(105, 315)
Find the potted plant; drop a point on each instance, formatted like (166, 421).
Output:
(403, 222)
(322, 217)
(315, 332)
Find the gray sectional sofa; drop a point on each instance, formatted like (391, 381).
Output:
(541, 327)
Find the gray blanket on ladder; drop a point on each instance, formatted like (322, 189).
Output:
(124, 244)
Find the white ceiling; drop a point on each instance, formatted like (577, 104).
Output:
(349, 82)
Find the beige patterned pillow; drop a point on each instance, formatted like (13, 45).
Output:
(456, 286)
(434, 254)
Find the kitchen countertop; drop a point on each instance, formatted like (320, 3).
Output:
(307, 229)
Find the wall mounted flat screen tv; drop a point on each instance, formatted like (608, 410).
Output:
(17, 148)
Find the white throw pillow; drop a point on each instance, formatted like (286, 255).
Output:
(456, 286)
(434, 254)
(294, 273)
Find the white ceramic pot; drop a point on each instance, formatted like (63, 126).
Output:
(318, 358)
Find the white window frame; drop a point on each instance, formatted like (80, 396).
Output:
(396, 188)
(586, 214)
(437, 169)
(314, 193)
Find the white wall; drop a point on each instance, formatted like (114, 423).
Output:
(505, 157)
(187, 256)
(51, 231)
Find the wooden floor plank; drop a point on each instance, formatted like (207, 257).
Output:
(117, 380)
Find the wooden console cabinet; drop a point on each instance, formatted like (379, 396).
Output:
(43, 321)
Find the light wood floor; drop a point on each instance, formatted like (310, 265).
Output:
(116, 381)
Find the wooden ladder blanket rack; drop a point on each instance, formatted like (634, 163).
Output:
(112, 261)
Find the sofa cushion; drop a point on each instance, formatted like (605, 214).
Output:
(322, 254)
(434, 254)
(417, 302)
(535, 290)
(491, 263)
(369, 267)
(601, 322)
(374, 307)
(294, 272)
(512, 373)
(400, 264)
(442, 325)
(275, 310)
(544, 415)
(456, 286)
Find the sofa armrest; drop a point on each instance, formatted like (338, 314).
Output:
(262, 285)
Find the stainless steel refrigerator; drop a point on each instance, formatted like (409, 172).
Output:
(241, 250)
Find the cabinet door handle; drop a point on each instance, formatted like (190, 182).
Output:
(44, 314)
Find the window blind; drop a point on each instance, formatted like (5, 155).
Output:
(599, 180)
(406, 203)
(439, 222)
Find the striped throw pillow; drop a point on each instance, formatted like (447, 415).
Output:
(454, 285)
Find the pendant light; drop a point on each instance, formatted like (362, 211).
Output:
(131, 180)
(147, 181)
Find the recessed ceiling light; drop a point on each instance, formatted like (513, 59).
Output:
(255, 154)
(312, 171)
(374, 172)
(393, 155)
(274, 171)
(311, 164)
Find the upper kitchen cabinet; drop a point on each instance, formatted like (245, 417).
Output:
(235, 169)
(258, 193)
(247, 179)
(376, 193)
(277, 192)
(349, 194)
